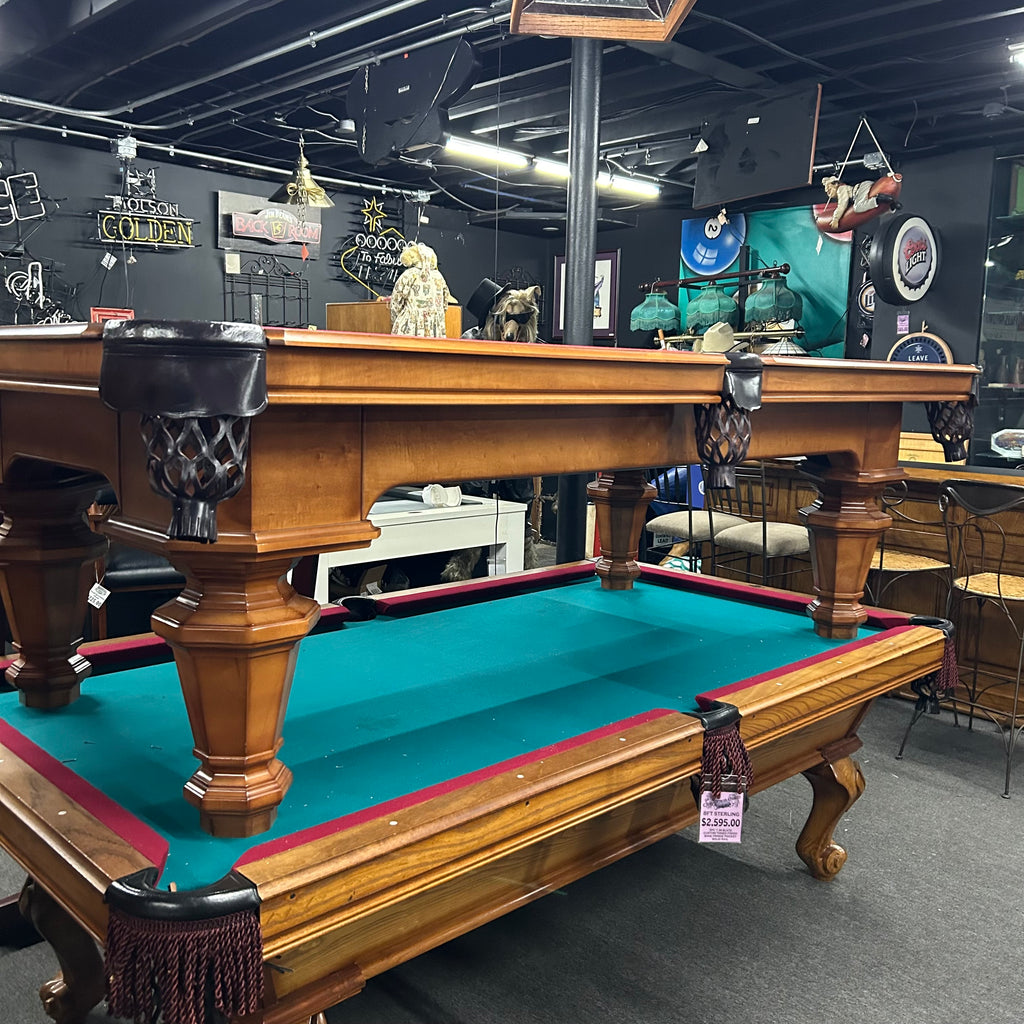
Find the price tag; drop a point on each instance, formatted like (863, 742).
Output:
(97, 595)
(721, 817)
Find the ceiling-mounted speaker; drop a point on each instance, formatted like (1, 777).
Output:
(401, 104)
(653, 20)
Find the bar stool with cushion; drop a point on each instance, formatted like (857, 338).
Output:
(138, 581)
(691, 528)
(893, 563)
(986, 602)
(757, 536)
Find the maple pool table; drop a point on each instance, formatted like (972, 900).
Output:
(306, 429)
(468, 749)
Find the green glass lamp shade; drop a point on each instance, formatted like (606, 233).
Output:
(655, 313)
(773, 303)
(711, 306)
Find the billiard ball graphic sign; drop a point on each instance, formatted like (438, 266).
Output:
(920, 347)
(904, 259)
(710, 246)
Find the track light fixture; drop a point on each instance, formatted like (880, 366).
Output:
(485, 151)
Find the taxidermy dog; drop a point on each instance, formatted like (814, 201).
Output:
(514, 316)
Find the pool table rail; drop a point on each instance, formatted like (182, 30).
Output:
(63, 845)
(393, 887)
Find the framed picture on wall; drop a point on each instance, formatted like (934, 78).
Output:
(606, 295)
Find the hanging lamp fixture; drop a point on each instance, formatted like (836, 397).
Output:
(655, 313)
(302, 190)
(772, 304)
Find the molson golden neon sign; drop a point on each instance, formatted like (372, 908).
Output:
(143, 221)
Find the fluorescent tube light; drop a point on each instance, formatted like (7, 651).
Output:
(1016, 52)
(552, 167)
(485, 151)
(640, 187)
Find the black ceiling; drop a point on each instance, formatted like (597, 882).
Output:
(238, 80)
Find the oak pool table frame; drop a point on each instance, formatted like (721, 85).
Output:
(364, 896)
(350, 416)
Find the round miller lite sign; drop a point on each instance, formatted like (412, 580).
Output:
(904, 259)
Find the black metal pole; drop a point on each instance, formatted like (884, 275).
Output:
(581, 250)
(581, 228)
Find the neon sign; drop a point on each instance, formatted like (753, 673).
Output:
(20, 198)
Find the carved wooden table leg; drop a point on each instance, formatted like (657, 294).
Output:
(845, 522)
(837, 786)
(235, 630)
(620, 501)
(79, 985)
(47, 565)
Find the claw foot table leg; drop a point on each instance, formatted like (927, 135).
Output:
(836, 785)
(78, 986)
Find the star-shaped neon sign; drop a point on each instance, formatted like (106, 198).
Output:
(374, 214)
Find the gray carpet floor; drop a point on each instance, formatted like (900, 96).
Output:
(923, 924)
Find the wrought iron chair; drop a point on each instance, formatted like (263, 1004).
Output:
(759, 548)
(683, 517)
(986, 596)
(727, 529)
(893, 563)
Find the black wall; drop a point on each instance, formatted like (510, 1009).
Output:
(648, 252)
(191, 283)
(952, 193)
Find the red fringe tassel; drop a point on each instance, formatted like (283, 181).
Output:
(172, 971)
(724, 754)
(949, 674)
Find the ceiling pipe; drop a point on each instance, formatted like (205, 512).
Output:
(415, 195)
(285, 82)
(234, 13)
(360, 60)
(110, 116)
(103, 117)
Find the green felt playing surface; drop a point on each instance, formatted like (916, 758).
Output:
(383, 708)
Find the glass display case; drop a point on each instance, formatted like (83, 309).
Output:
(999, 419)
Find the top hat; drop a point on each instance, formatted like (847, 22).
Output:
(483, 299)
